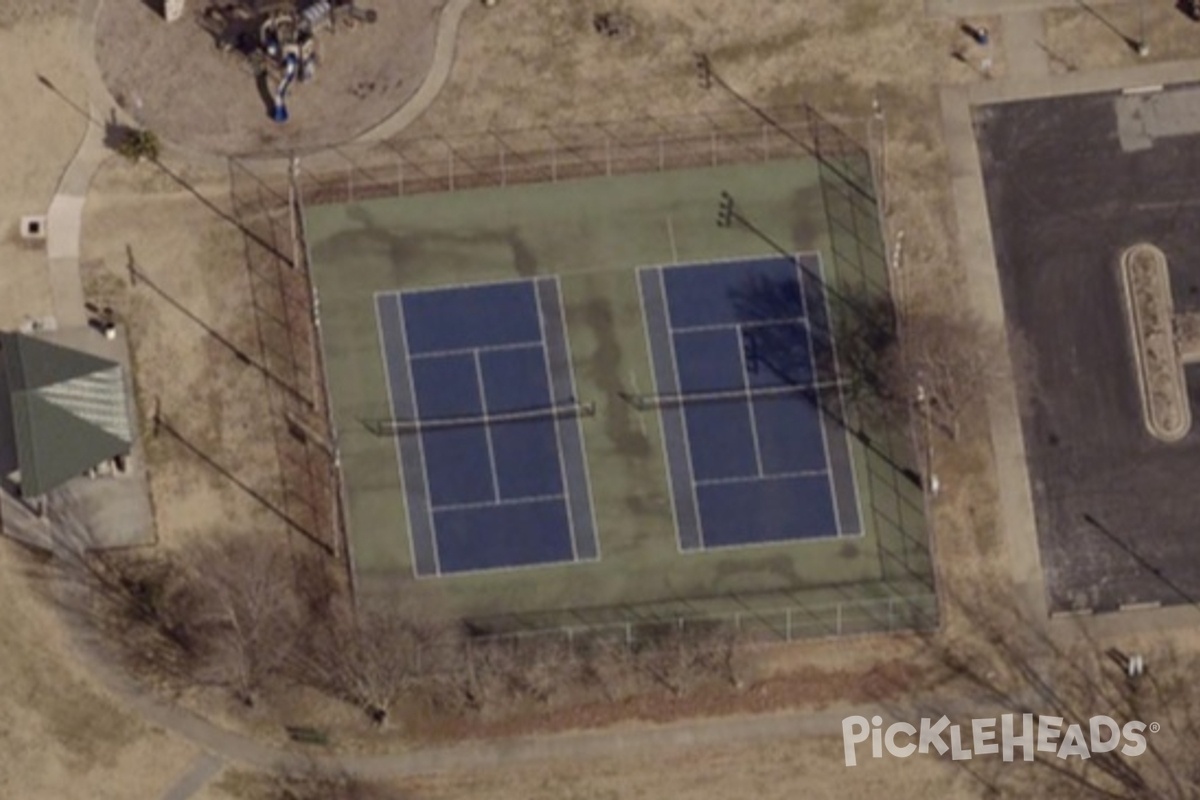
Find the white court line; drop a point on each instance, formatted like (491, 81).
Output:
(412, 386)
(671, 236)
(398, 446)
(466, 351)
(778, 476)
(812, 358)
(516, 501)
(451, 287)
(687, 439)
(587, 473)
(741, 349)
(661, 423)
(558, 448)
(487, 428)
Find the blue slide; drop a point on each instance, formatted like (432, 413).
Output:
(291, 65)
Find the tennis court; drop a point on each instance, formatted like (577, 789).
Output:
(486, 425)
(744, 375)
(470, 289)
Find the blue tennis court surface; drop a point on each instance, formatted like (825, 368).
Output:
(752, 456)
(492, 492)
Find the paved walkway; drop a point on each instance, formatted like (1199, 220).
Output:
(435, 79)
(202, 770)
(977, 255)
(1025, 53)
(223, 746)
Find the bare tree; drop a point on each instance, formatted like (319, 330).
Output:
(936, 357)
(314, 782)
(1017, 665)
(679, 657)
(369, 656)
(123, 602)
(243, 612)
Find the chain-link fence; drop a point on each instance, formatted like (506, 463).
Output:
(545, 155)
(903, 598)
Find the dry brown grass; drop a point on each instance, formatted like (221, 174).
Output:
(524, 62)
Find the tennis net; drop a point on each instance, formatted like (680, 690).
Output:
(396, 427)
(645, 402)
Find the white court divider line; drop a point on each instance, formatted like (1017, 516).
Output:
(741, 349)
(487, 429)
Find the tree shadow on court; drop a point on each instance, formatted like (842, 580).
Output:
(844, 364)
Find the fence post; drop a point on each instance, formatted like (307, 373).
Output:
(766, 143)
(350, 182)
(503, 174)
(607, 155)
(891, 605)
(450, 165)
(839, 618)
(628, 634)
(399, 177)
(662, 157)
(554, 162)
(713, 146)
(787, 623)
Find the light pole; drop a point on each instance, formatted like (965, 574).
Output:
(1143, 47)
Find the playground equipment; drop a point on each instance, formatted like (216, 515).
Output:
(288, 41)
(278, 37)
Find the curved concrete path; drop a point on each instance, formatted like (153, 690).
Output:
(64, 225)
(435, 79)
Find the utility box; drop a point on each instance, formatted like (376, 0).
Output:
(172, 9)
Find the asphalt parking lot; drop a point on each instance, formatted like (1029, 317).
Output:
(1071, 182)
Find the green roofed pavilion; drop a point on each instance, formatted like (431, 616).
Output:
(70, 411)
